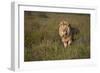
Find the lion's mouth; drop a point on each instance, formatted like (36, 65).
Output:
(66, 33)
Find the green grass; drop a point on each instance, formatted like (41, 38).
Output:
(42, 41)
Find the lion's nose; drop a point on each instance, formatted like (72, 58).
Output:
(66, 33)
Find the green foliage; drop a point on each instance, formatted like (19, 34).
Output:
(42, 41)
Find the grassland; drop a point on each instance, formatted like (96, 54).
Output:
(42, 41)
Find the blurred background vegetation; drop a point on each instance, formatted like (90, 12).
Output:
(42, 41)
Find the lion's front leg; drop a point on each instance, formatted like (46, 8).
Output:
(69, 42)
(65, 44)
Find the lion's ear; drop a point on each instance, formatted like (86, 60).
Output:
(69, 25)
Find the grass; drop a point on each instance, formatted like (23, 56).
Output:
(42, 41)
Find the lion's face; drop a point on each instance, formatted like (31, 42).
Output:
(64, 28)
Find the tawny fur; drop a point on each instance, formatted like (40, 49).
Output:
(65, 33)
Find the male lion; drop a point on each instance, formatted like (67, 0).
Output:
(65, 33)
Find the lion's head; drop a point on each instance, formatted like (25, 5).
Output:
(64, 28)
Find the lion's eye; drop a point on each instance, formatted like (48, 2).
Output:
(64, 30)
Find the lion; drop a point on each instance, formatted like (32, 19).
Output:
(65, 33)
